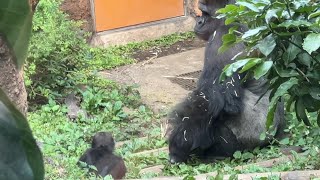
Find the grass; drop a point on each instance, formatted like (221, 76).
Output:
(164, 41)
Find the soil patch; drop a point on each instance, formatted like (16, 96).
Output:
(161, 51)
(79, 10)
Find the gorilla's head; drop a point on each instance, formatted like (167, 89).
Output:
(211, 6)
(103, 139)
(205, 26)
(208, 23)
(191, 126)
(179, 147)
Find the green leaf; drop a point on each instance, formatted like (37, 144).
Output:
(237, 155)
(228, 41)
(301, 112)
(253, 32)
(286, 72)
(270, 115)
(281, 90)
(270, 14)
(311, 42)
(248, 5)
(253, 62)
(289, 103)
(247, 155)
(219, 176)
(305, 59)
(20, 155)
(229, 20)
(318, 119)
(292, 50)
(229, 8)
(294, 23)
(267, 45)
(313, 15)
(117, 105)
(315, 93)
(231, 68)
(311, 104)
(284, 141)
(262, 69)
(263, 136)
(15, 25)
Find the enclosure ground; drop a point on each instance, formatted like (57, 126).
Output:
(160, 82)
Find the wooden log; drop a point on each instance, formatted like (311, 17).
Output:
(153, 169)
(289, 175)
(154, 151)
(267, 163)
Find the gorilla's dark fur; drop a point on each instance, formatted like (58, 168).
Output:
(218, 119)
(101, 156)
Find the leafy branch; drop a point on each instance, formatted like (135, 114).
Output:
(287, 35)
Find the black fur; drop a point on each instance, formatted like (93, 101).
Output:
(101, 156)
(218, 119)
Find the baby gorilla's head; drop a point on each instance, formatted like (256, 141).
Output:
(103, 139)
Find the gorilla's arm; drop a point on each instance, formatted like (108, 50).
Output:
(225, 96)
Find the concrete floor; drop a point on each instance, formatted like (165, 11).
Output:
(152, 76)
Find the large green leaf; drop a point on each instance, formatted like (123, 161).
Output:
(229, 69)
(281, 90)
(228, 41)
(294, 23)
(313, 15)
(271, 13)
(253, 62)
(267, 45)
(249, 6)
(292, 50)
(262, 69)
(311, 42)
(301, 112)
(20, 156)
(15, 26)
(253, 32)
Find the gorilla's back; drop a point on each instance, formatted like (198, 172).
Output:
(252, 122)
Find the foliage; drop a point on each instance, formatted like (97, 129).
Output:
(286, 33)
(16, 27)
(20, 155)
(59, 56)
(63, 141)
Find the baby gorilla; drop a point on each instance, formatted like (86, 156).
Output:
(101, 156)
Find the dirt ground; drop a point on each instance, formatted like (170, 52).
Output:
(178, 47)
(79, 10)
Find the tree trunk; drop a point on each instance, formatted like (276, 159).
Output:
(11, 78)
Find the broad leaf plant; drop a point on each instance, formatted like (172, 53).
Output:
(282, 45)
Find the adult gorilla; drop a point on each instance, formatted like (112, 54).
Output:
(219, 119)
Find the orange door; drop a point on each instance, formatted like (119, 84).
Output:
(112, 14)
